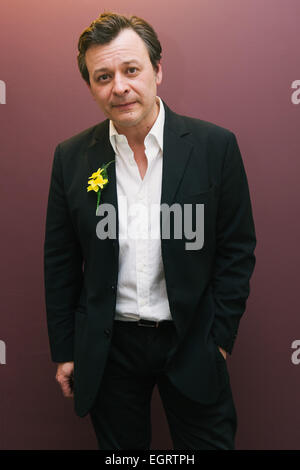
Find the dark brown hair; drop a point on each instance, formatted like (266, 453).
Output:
(106, 27)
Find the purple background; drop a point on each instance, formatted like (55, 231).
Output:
(231, 62)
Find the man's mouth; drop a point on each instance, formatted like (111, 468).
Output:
(124, 105)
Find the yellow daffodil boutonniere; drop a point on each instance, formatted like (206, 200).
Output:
(98, 181)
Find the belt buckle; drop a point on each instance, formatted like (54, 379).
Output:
(143, 322)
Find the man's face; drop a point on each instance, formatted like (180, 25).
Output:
(123, 81)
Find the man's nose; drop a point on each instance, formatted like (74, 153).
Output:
(120, 85)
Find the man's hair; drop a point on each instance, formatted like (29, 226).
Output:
(107, 27)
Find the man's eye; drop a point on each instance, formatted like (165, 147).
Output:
(102, 78)
(132, 69)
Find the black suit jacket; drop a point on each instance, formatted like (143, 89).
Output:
(207, 288)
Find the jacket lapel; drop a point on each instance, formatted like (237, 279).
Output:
(99, 153)
(176, 154)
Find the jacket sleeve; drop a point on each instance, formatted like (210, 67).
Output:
(235, 244)
(63, 274)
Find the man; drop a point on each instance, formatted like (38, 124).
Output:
(126, 309)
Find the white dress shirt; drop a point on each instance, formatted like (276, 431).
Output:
(141, 290)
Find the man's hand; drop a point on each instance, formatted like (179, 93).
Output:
(64, 376)
(222, 352)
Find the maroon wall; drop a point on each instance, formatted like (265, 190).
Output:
(231, 62)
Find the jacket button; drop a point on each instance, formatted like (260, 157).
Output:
(113, 287)
(107, 332)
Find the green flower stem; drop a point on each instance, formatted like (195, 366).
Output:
(98, 199)
(106, 165)
(105, 176)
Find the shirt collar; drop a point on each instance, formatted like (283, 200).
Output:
(157, 130)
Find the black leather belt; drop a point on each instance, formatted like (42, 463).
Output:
(147, 323)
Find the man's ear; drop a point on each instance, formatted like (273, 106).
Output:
(158, 74)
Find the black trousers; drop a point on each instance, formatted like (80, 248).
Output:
(121, 414)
